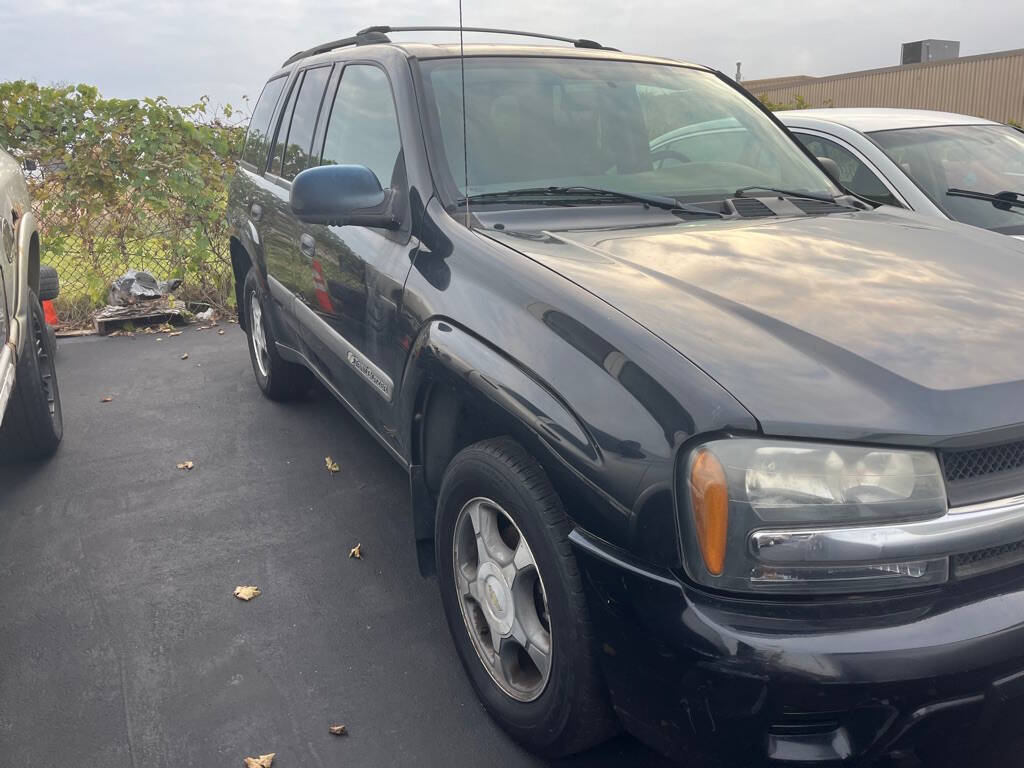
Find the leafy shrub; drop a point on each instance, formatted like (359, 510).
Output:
(123, 183)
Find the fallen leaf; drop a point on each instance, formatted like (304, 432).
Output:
(247, 593)
(159, 338)
(185, 356)
(356, 552)
(332, 465)
(338, 730)
(174, 333)
(263, 761)
(186, 465)
(106, 399)
(220, 332)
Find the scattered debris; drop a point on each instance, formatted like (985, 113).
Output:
(332, 465)
(356, 552)
(247, 593)
(221, 332)
(124, 330)
(174, 333)
(263, 761)
(339, 730)
(106, 399)
(207, 315)
(186, 465)
(159, 338)
(185, 356)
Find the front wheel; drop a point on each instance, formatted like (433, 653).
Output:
(33, 425)
(276, 377)
(514, 600)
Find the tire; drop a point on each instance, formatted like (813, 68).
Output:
(568, 711)
(49, 283)
(276, 377)
(33, 425)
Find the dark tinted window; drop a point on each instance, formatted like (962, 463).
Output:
(257, 141)
(282, 131)
(363, 128)
(854, 173)
(300, 134)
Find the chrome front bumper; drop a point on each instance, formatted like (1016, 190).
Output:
(993, 525)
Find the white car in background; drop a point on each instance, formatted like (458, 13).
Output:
(936, 163)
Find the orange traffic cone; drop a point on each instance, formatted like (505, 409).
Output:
(50, 313)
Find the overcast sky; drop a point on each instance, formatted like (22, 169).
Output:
(188, 48)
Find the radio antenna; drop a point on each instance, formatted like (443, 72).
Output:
(465, 136)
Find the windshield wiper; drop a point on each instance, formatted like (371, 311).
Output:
(1004, 201)
(554, 193)
(789, 193)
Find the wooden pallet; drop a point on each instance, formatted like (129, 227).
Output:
(112, 319)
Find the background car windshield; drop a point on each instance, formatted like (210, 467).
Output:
(624, 126)
(980, 158)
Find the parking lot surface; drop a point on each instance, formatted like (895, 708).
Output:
(121, 642)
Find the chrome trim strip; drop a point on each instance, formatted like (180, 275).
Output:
(961, 529)
(379, 381)
(294, 355)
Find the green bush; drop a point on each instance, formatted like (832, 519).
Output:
(123, 183)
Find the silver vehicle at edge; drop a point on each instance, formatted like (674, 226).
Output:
(935, 163)
(31, 425)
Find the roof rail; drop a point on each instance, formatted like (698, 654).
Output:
(378, 34)
(577, 42)
(366, 37)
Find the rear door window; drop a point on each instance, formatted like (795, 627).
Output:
(295, 136)
(257, 140)
(300, 135)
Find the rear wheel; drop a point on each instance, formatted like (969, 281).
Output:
(514, 600)
(279, 379)
(33, 425)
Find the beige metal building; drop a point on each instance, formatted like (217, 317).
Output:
(990, 85)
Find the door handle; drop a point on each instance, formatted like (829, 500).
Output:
(307, 246)
(255, 211)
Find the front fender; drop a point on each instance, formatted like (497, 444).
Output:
(443, 349)
(25, 263)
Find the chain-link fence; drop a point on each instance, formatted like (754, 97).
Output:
(122, 184)
(89, 252)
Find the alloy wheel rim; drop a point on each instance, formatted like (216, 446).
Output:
(502, 598)
(259, 337)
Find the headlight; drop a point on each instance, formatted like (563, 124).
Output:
(743, 497)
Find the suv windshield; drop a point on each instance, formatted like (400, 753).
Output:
(633, 128)
(978, 158)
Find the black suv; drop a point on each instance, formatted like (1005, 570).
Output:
(698, 443)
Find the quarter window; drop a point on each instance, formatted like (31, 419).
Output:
(363, 127)
(257, 141)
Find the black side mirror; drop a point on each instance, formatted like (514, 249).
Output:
(831, 167)
(343, 194)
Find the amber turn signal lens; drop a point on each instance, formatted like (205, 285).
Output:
(709, 500)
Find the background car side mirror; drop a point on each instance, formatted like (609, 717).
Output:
(831, 168)
(342, 194)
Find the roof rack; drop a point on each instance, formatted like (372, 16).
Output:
(378, 34)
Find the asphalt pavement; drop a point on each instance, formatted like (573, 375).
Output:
(120, 641)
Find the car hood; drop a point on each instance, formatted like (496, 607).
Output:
(862, 326)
